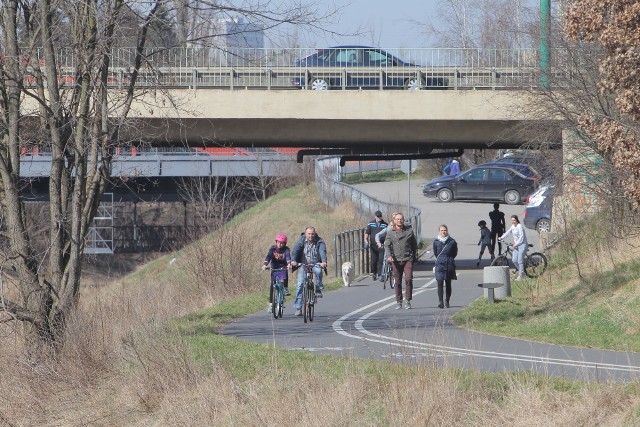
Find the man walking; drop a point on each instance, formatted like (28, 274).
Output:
(401, 249)
(373, 228)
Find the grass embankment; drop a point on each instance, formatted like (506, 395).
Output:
(590, 297)
(145, 351)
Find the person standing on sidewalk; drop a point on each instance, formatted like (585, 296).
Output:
(401, 250)
(445, 249)
(373, 228)
(520, 244)
(498, 226)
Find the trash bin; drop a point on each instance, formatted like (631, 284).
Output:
(497, 274)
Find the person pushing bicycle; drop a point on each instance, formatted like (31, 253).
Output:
(279, 256)
(520, 244)
(310, 249)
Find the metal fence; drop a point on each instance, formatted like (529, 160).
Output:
(349, 244)
(271, 68)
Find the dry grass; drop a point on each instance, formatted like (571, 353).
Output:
(121, 366)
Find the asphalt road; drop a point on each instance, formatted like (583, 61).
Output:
(361, 320)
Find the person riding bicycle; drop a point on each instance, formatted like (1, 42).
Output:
(279, 256)
(309, 249)
(380, 244)
(520, 244)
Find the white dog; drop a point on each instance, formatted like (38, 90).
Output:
(347, 273)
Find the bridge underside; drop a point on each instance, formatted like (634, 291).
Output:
(365, 136)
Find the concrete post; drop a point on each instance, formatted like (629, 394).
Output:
(497, 274)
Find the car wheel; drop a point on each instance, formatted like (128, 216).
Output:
(319, 83)
(445, 195)
(512, 197)
(543, 225)
(414, 83)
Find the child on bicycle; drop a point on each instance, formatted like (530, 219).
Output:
(485, 241)
(279, 256)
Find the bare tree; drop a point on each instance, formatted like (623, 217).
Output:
(55, 70)
(481, 24)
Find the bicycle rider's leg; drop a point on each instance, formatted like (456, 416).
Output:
(286, 286)
(317, 271)
(271, 291)
(297, 303)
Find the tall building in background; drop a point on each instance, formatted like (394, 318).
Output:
(242, 42)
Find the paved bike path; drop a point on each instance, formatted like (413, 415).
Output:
(361, 321)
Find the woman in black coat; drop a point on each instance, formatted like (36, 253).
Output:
(445, 249)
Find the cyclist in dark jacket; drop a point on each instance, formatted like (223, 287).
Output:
(445, 249)
(309, 249)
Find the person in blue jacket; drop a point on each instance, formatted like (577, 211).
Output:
(445, 249)
(454, 170)
(309, 249)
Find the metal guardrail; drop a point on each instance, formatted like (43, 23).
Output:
(195, 67)
(150, 163)
(333, 193)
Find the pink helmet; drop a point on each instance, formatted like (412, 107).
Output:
(281, 238)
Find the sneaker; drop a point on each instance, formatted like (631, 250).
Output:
(407, 305)
(286, 292)
(319, 293)
(298, 312)
(374, 277)
(382, 278)
(399, 306)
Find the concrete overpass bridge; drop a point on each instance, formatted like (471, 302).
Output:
(365, 121)
(485, 98)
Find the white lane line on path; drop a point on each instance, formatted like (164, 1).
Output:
(398, 342)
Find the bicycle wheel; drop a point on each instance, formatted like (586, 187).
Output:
(273, 298)
(311, 309)
(277, 305)
(388, 278)
(535, 265)
(305, 302)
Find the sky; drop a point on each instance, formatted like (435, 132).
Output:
(383, 23)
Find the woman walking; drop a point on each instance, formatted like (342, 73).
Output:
(445, 249)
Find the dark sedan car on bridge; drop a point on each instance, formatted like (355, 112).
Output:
(484, 182)
(362, 67)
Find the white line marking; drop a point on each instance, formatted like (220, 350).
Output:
(398, 342)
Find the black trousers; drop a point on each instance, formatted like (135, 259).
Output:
(376, 259)
(494, 238)
(447, 289)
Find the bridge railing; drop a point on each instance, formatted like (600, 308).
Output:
(271, 68)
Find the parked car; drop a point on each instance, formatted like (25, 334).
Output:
(396, 73)
(537, 212)
(485, 182)
(523, 168)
